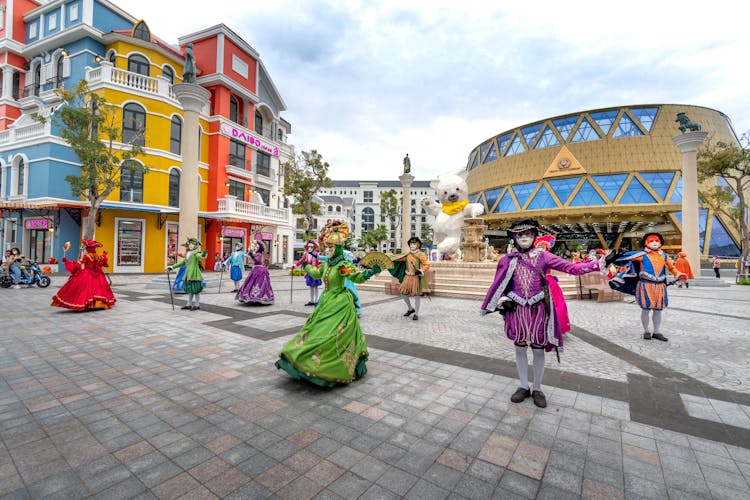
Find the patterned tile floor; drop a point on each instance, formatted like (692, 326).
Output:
(144, 402)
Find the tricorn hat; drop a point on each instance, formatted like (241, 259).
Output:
(91, 243)
(415, 240)
(645, 237)
(521, 225)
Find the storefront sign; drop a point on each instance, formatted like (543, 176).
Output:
(249, 139)
(36, 223)
(263, 236)
(233, 232)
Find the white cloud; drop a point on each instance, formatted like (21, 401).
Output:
(366, 82)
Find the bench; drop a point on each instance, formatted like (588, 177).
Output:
(595, 282)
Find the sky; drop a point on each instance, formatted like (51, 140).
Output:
(366, 82)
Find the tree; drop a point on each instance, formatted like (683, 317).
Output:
(372, 238)
(425, 234)
(304, 176)
(89, 125)
(389, 208)
(732, 162)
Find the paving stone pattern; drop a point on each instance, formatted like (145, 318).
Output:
(144, 402)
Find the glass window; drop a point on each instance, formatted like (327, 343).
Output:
(129, 242)
(563, 187)
(139, 64)
(474, 197)
(605, 119)
(505, 204)
(626, 128)
(636, 193)
(37, 79)
(473, 160)
(483, 149)
(263, 163)
(522, 192)
(646, 116)
(131, 183)
(587, 196)
(368, 219)
(133, 124)
(259, 122)
(610, 184)
(16, 85)
(234, 109)
(722, 183)
(677, 194)
(565, 125)
(516, 146)
(530, 133)
(237, 154)
(367, 196)
(502, 142)
(265, 195)
(702, 219)
(59, 69)
(168, 73)
(721, 243)
(175, 136)
(141, 32)
(112, 57)
(547, 139)
(20, 176)
(585, 132)
(542, 199)
(237, 189)
(174, 188)
(659, 181)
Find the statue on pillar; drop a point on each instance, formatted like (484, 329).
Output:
(188, 75)
(686, 124)
(407, 164)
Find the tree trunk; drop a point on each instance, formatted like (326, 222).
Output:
(89, 224)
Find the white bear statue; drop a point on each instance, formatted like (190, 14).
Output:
(449, 210)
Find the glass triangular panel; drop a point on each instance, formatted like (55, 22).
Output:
(646, 116)
(547, 139)
(626, 128)
(610, 184)
(585, 132)
(542, 199)
(635, 193)
(563, 187)
(565, 125)
(605, 119)
(522, 192)
(587, 196)
(659, 181)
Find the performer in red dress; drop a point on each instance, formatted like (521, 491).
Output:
(87, 286)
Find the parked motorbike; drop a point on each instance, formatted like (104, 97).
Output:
(32, 275)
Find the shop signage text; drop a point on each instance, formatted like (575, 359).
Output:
(36, 223)
(249, 139)
(233, 233)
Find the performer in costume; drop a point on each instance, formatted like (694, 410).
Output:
(194, 277)
(87, 286)
(520, 292)
(645, 277)
(410, 269)
(351, 286)
(546, 242)
(236, 263)
(310, 258)
(257, 286)
(179, 280)
(330, 348)
(683, 265)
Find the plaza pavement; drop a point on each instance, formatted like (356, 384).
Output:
(142, 401)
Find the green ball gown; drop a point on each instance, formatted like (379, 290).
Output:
(330, 348)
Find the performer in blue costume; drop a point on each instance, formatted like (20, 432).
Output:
(236, 263)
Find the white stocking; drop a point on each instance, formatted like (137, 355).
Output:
(644, 320)
(522, 364)
(539, 357)
(416, 304)
(190, 299)
(407, 301)
(197, 299)
(657, 321)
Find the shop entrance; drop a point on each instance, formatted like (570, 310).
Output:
(39, 245)
(228, 245)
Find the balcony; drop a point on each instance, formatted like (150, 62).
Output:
(231, 207)
(18, 134)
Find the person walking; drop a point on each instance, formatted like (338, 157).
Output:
(717, 265)
(683, 265)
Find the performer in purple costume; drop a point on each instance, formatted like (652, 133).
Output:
(257, 286)
(518, 292)
(310, 258)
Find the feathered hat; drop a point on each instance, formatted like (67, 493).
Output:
(334, 233)
(546, 240)
(521, 225)
(194, 241)
(91, 243)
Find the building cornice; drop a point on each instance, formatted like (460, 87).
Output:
(275, 91)
(215, 31)
(55, 5)
(59, 39)
(221, 79)
(112, 37)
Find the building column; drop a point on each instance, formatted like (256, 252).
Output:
(688, 144)
(193, 98)
(7, 90)
(406, 181)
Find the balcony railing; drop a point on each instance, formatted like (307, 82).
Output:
(108, 74)
(13, 135)
(232, 206)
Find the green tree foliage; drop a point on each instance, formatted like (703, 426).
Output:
(425, 234)
(732, 162)
(303, 178)
(90, 127)
(389, 208)
(372, 238)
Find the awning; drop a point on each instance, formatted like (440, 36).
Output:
(41, 204)
(113, 205)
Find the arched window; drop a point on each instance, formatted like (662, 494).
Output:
(234, 109)
(338, 209)
(141, 31)
(59, 68)
(133, 124)
(37, 79)
(174, 188)
(131, 182)
(139, 64)
(168, 73)
(112, 57)
(259, 122)
(21, 172)
(368, 219)
(16, 85)
(330, 209)
(175, 136)
(280, 135)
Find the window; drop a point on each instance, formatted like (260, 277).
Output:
(131, 183)
(174, 188)
(237, 189)
(37, 79)
(168, 73)
(237, 154)
(367, 196)
(16, 90)
(175, 136)
(142, 32)
(139, 64)
(330, 209)
(280, 135)
(33, 28)
(52, 21)
(259, 122)
(368, 219)
(263, 164)
(59, 70)
(133, 124)
(234, 109)
(265, 195)
(112, 57)
(20, 176)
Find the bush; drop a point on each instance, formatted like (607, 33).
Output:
(744, 281)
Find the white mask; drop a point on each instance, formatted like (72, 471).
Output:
(525, 240)
(654, 245)
(414, 247)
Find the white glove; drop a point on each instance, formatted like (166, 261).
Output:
(170, 268)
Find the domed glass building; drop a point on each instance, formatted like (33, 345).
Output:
(598, 178)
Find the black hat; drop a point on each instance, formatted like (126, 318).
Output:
(645, 237)
(415, 240)
(521, 225)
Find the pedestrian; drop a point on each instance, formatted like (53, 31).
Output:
(716, 265)
(683, 265)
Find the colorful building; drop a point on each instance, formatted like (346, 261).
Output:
(58, 43)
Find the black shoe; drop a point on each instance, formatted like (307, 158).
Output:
(409, 312)
(539, 399)
(186, 306)
(520, 395)
(415, 317)
(659, 336)
(195, 308)
(310, 304)
(646, 336)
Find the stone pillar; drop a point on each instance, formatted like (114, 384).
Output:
(192, 97)
(7, 90)
(688, 144)
(406, 181)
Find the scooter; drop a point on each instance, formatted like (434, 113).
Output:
(33, 275)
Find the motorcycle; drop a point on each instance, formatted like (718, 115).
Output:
(32, 274)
